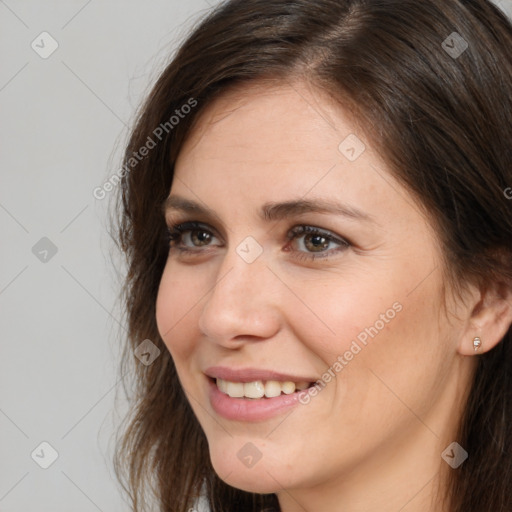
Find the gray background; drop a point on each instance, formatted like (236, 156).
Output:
(64, 120)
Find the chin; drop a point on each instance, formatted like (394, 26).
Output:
(258, 482)
(261, 478)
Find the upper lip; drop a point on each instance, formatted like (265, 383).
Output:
(252, 374)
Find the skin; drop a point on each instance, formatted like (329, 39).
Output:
(372, 438)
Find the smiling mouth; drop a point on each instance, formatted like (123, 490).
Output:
(258, 389)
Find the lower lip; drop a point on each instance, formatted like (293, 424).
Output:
(247, 409)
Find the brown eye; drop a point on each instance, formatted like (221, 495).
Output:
(316, 243)
(191, 236)
(200, 237)
(311, 242)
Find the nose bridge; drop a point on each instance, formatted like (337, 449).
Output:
(241, 302)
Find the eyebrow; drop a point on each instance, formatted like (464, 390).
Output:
(272, 211)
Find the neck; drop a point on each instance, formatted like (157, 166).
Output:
(401, 478)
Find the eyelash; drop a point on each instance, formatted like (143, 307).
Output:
(175, 233)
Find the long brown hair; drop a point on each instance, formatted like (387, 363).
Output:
(437, 106)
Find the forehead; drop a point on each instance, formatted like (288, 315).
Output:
(258, 144)
(257, 119)
(285, 133)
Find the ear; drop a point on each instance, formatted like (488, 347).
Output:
(489, 320)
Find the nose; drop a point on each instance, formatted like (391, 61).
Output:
(243, 304)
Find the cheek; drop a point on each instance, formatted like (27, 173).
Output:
(387, 350)
(363, 328)
(178, 297)
(336, 316)
(341, 312)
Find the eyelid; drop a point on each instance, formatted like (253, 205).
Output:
(190, 225)
(298, 231)
(291, 234)
(182, 224)
(305, 229)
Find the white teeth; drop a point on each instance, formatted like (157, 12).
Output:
(254, 389)
(272, 388)
(222, 385)
(288, 387)
(259, 389)
(235, 389)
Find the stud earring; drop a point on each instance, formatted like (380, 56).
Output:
(476, 343)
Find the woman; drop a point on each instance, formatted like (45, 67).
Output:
(319, 245)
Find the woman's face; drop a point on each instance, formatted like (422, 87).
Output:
(309, 263)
